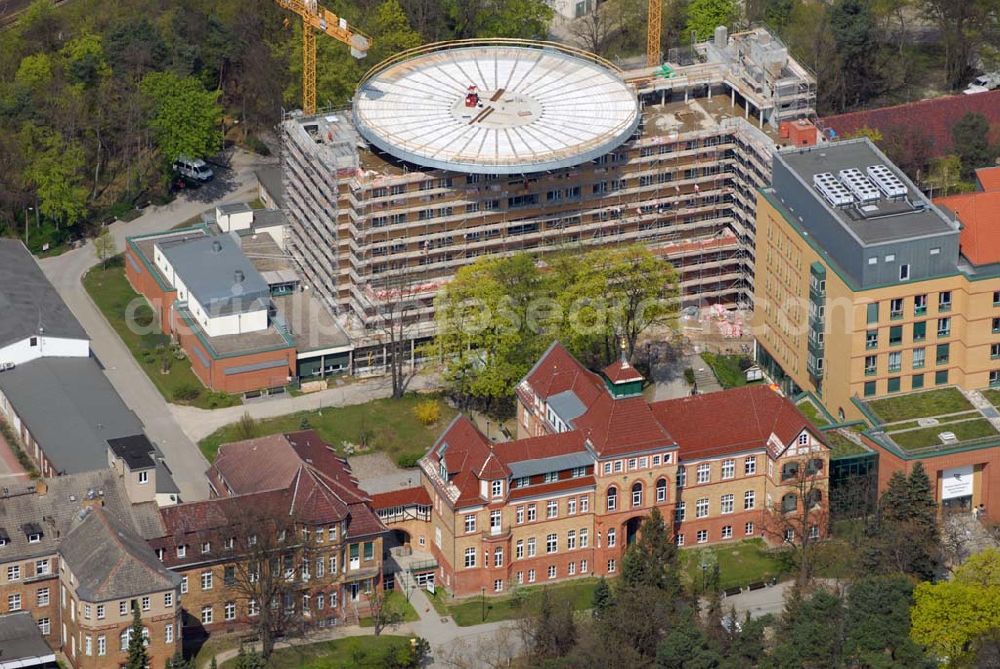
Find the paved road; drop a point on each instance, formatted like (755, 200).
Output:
(131, 382)
(199, 423)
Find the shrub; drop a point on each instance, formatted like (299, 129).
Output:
(186, 392)
(304, 423)
(427, 412)
(408, 460)
(246, 427)
(689, 376)
(745, 364)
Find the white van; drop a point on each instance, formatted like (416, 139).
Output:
(195, 169)
(981, 84)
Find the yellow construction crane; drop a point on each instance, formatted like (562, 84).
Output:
(653, 27)
(319, 18)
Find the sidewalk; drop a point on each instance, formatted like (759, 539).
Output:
(199, 423)
(12, 474)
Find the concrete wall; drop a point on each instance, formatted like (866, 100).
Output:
(48, 347)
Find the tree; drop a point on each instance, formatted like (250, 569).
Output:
(953, 618)
(964, 27)
(858, 52)
(550, 634)
(185, 118)
(877, 625)
(945, 175)
(704, 16)
(137, 656)
(972, 143)
(248, 658)
(524, 19)
(811, 631)
(800, 516)
(602, 599)
(904, 536)
(383, 612)
(593, 30)
(104, 246)
(54, 167)
(395, 305)
(686, 646)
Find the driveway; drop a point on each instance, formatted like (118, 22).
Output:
(65, 272)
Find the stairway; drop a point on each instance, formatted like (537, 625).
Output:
(704, 377)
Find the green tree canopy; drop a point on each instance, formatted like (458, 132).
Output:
(54, 166)
(703, 16)
(137, 656)
(972, 143)
(878, 624)
(184, 116)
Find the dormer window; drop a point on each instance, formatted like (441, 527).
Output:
(496, 489)
(182, 551)
(443, 471)
(33, 532)
(551, 477)
(143, 478)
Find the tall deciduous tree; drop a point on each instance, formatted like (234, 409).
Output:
(971, 135)
(104, 246)
(54, 168)
(703, 16)
(184, 116)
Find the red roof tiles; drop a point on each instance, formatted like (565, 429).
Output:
(731, 421)
(558, 371)
(980, 217)
(619, 426)
(988, 178)
(403, 497)
(536, 448)
(621, 372)
(934, 117)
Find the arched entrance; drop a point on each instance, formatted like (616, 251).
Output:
(632, 529)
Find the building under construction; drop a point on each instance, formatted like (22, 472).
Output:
(459, 150)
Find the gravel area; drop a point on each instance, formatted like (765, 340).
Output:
(376, 472)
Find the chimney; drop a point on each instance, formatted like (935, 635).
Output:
(41, 487)
(216, 246)
(238, 276)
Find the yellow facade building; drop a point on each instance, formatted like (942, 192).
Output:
(863, 287)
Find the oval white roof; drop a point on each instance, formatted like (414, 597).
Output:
(535, 107)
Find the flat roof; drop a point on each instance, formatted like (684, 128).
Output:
(71, 410)
(28, 301)
(539, 107)
(136, 450)
(216, 271)
(887, 220)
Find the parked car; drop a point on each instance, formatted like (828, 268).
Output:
(195, 169)
(983, 83)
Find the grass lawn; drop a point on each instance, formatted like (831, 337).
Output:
(385, 425)
(841, 446)
(912, 424)
(992, 395)
(739, 563)
(727, 369)
(112, 294)
(356, 652)
(969, 429)
(920, 405)
(398, 601)
(469, 611)
(809, 410)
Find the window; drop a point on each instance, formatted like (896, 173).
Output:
(206, 614)
(612, 566)
(727, 503)
(470, 557)
(612, 538)
(571, 568)
(920, 331)
(814, 531)
(551, 509)
(552, 571)
(332, 532)
(632, 464)
(871, 339)
(519, 549)
(584, 504)
(42, 597)
(182, 551)
(618, 466)
(919, 305)
(750, 465)
(895, 361)
(168, 601)
(14, 602)
(252, 540)
(229, 611)
(896, 308)
(871, 365)
(498, 556)
(497, 488)
(996, 325)
(14, 572)
(917, 381)
(519, 515)
(531, 513)
(994, 378)
(701, 508)
(704, 472)
(702, 536)
(584, 537)
(470, 523)
(636, 494)
(206, 580)
(904, 272)
(944, 301)
(571, 540)
(944, 327)
(873, 312)
(145, 605)
(727, 531)
(788, 503)
(551, 543)
(612, 498)
(45, 626)
(680, 539)
(749, 500)
(789, 470)
(895, 335)
(123, 608)
(803, 439)
(168, 633)
(531, 576)
(100, 611)
(681, 476)
(370, 550)
(869, 388)
(571, 506)
(891, 257)
(498, 585)
(893, 384)
(995, 351)
(320, 601)
(919, 357)
(661, 490)
(942, 354)
(253, 609)
(748, 529)
(531, 547)
(941, 377)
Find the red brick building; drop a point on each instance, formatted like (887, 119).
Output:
(592, 461)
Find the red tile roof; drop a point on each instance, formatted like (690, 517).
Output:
(980, 217)
(466, 451)
(989, 178)
(730, 421)
(536, 448)
(558, 371)
(403, 497)
(557, 486)
(619, 426)
(620, 371)
(253, 465)
(934, 117)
